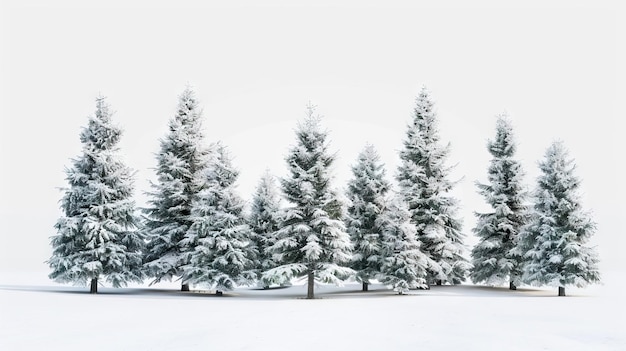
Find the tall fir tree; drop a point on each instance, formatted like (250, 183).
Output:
(180, 169)
(97, 233)
(221, 256)
(496, 258)
(423, 180)
(312, 241)
(366, 192)
(403, 265)
(264, 219)
(555, 239)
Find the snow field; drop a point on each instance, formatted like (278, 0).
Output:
(463, 317)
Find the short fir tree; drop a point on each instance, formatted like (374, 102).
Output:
(496, 258)
(97, 235)
(403, 265)
(181, 164)
(312, 241)
(366, 192)
(221, 256)
(264, 220)
(423, 181)
(555, 239)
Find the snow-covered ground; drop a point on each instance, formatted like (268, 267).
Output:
(36, 314)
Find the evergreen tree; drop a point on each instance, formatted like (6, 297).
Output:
(221, 256)
(422, 178)
(180, 166)
(496, 258)
(312, 241)
(264, 220)
(403, 264)
(555, 238)
(366, 192)
(97, 233)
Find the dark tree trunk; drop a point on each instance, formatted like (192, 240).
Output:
(365, 286)
(310, 294)
(439, 282)
(561, 291)
(184, 287)
(94, 286)
(218, 293)
(512, 286)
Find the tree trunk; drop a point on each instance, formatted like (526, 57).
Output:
(184, 287)
(561, 291)
(311, 284)
(512, 286)
(94, 286)
(439, 282)
(365, 286)
(218, 293)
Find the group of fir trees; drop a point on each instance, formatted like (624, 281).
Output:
(194, 227)
(412, 238)
(386, 247)
(539, 245)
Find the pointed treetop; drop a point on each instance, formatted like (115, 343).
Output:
(100, 132)
(424, 122)
(102, 108)
(557, 150)
(369, 152)
(312, 121)
(188, 104)
(224, 169)
(504, 143)
(424, 106)
(557, 158)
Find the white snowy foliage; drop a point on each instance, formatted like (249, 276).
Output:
(181, 164)
(97, 234)
(311, 233)
(366, 194)
(220, 254)
(264, 220)
(403, 264)
(554, 241)
(496, 258)
(422, 178)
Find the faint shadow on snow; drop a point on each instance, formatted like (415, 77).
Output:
(299, 292)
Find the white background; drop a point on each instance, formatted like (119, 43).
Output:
(558, 70)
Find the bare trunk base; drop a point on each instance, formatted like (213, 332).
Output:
(94, 286)
(184, 287)
(310, 294)
(365, 286)
(561, 291)
(512, 286)
(218, 293)
(439, 282)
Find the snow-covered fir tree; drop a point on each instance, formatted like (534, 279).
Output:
(402, 263)
(312, 241)
(423, 180)
(555, 240)
(366, 192)
(221, 256)
(264, 219)
(496, 258)
(181, 163)
(97, 234)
